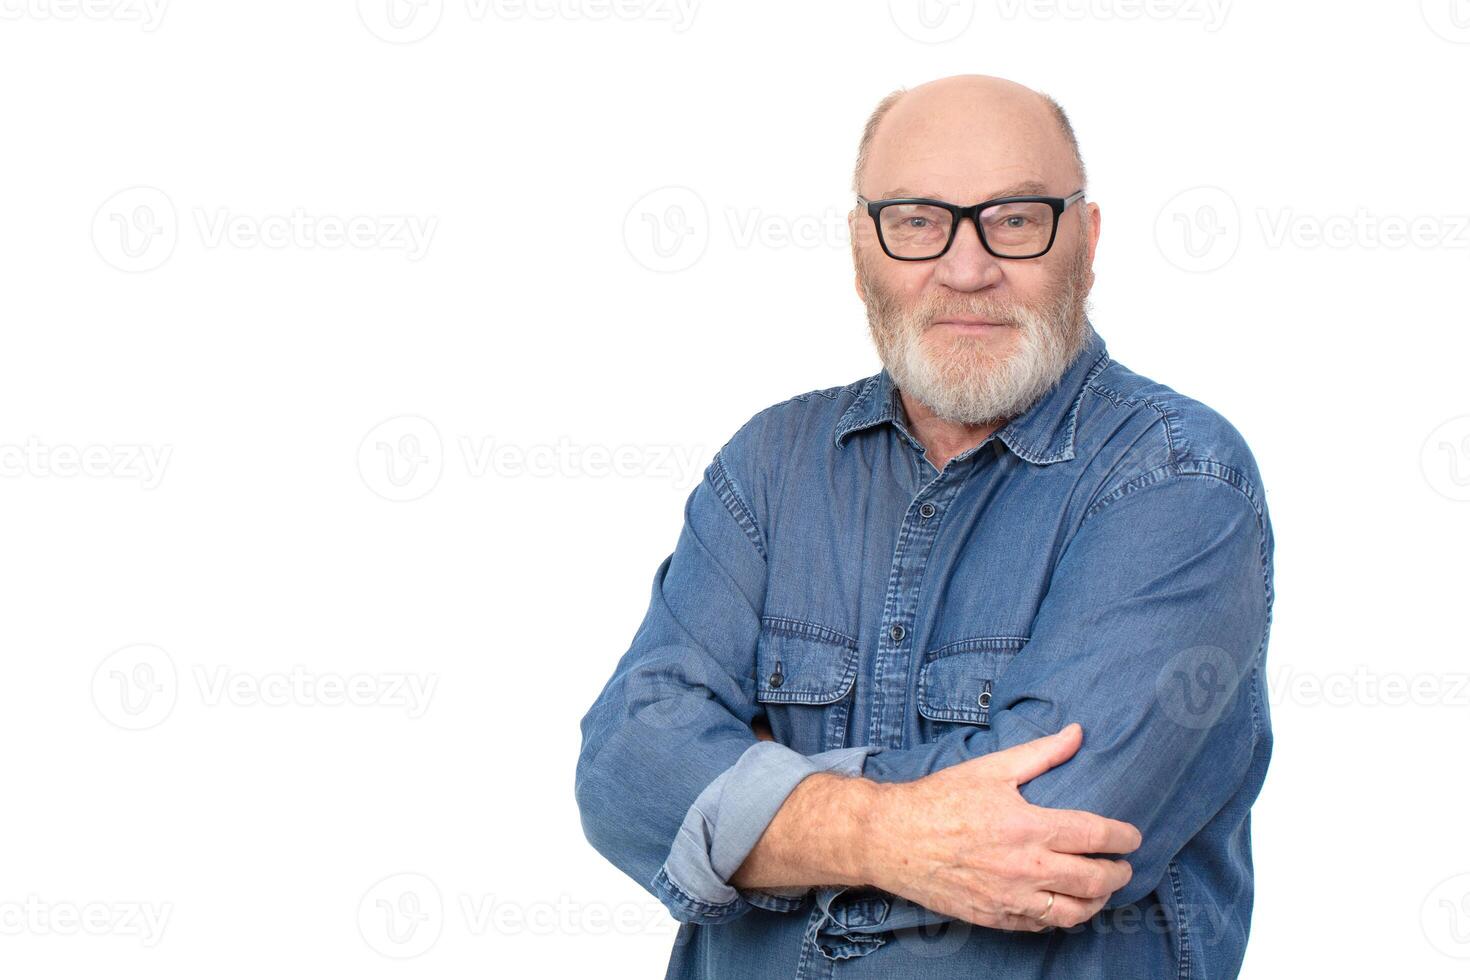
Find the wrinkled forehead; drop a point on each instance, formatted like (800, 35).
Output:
(968, 152)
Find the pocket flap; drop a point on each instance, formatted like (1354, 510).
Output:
(802, 663)
(958, 686)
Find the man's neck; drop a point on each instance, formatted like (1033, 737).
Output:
(943, 439)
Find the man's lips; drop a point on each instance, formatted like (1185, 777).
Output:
(968, 322)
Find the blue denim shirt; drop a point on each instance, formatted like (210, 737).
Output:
(1104, 558)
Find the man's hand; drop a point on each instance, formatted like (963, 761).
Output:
(963, 842)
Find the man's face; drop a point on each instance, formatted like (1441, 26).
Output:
(1030, 312)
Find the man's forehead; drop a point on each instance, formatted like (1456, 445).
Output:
(987, 192)
(975, 142)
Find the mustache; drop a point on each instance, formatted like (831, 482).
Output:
(995, 313)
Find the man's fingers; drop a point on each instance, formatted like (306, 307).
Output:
(1067, 911)
(1024, 762)
(1084, 877)
(1079, 832)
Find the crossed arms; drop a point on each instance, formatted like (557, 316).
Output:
(1149, 638)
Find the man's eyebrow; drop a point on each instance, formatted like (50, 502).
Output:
(1026, 188)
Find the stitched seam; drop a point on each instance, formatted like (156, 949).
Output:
(802, 628)
(689, 903)
(1182, 466)
(1173, 425)
(932, 709)
(846, 427)
(729, 494)
(1177, 888)
(1002, 643)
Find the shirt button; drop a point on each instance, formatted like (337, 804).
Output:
(776, 680)
(926, 510)
(984, 699)
(896, 632)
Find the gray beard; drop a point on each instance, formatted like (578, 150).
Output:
(959, 377)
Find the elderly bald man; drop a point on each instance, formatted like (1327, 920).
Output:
(955, 670)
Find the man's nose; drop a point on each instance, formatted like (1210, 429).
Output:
(967, 267)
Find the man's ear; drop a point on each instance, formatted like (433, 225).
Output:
(1094, 229)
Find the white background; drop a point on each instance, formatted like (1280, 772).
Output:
(205, 384)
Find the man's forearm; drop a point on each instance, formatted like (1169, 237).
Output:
(818, 837)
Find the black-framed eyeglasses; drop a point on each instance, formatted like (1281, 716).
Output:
(914, 229)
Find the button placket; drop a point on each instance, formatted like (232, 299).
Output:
(891, 665)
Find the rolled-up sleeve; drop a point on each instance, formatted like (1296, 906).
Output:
(727, 820)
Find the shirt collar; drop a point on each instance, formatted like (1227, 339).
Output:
(1044, 433)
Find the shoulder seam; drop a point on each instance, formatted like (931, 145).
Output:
(729, 493)
(1182, 466)
(1214, 470)
(1173, 426)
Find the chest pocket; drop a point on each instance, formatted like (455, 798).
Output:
(957, 681)
(804, 679)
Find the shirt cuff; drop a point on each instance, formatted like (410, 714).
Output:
(851, 910)
(724, 824)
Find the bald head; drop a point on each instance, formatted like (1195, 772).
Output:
(957, 122)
